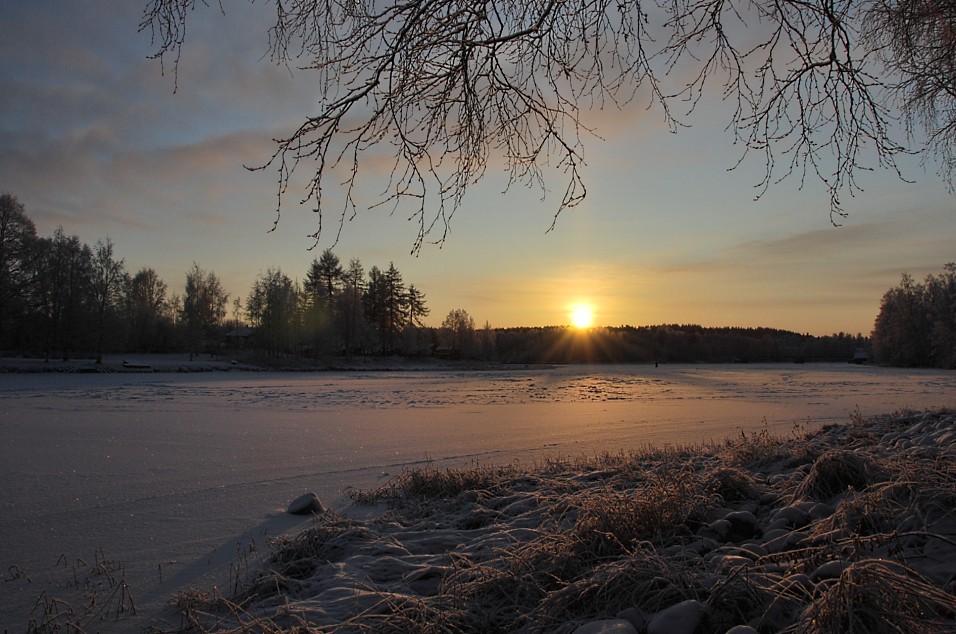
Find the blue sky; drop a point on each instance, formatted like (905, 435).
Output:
(96, 139)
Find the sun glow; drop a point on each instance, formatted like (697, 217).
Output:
(582, 316)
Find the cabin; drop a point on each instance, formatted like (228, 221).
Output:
(239, 337)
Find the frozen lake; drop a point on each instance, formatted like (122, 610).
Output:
(171, 476)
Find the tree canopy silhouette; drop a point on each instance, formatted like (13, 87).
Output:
(450, 85)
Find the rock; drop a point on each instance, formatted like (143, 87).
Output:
(753, 550)
(830, 570)
(306, 505)
(768, 498)
(743, 525)
(718, 529)
(682, 618)
(821, 511)
(795, 516)
(802, 581)
(635, 617)
(726, 564)
(788, 541)
(775, 524)
(607, 626)
(774, 533)
(741, 629)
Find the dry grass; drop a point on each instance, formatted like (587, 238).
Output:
(835, 472)
(103, 596)
(877, 596)
(762, 450)
(429, 483)
(643, 579)
(547, 548)
(671, 503)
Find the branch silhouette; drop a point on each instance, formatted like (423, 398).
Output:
(448, 86)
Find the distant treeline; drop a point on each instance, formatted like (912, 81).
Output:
(62, 298)
(671, 344)
(916, 325)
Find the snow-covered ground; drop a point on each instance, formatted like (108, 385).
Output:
(167, 480)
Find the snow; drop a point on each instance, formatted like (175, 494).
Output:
(173, 480)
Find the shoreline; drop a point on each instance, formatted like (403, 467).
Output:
(846, 528)
(181, 363)
(849, 524)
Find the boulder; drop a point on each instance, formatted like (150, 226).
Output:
(682, 618)
(306, 504)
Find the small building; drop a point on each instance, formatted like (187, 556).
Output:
(446, 352)
(238, 337)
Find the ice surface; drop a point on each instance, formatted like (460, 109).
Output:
(180, 479)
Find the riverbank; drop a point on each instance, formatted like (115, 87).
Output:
(174, 362)
(848, 528)
(184, 363)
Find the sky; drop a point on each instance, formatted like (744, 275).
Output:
(96, 138)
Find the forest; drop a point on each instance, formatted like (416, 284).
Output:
(916, 325)
(62, 299)
(674, 343)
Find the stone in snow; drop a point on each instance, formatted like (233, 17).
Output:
(306, 505)
(677, 619)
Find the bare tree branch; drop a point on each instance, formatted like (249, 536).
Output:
(451, 85)
(917, 41)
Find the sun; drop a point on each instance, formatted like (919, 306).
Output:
(582, 316)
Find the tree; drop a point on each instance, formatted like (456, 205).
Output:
(901, 334)
(916, 39)
(329, 273)
(322, 285)
(17, 237)
(415, 340)
(384, 304)
(449, 84)
(323, 279)
(350, 316)
(415, 304)
(373, 302)
(487, 342)
(204, 305)
(272, 306)
(108, 285)
(393, 314)
(459, 329)
(941, 296)
(151, 314)
(62, 277)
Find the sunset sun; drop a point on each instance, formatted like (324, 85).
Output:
(582, 316)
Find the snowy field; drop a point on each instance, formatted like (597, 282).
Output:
(169, 480)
